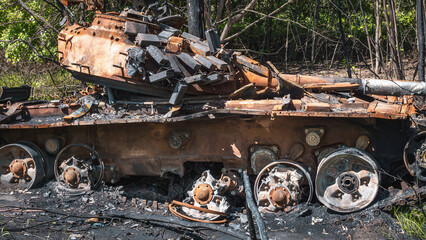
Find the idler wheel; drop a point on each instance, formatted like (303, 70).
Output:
(415, 156)
(22, 166)
(203, 193)
(347, 180)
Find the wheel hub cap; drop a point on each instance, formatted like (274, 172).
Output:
(348, 182)
(203, 193)
(279, 197)
(18, 168)
(72, 176)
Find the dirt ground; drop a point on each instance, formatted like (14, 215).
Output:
(120, 212)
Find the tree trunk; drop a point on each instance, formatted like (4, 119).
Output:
(219, 12)
(268, 26)
(313, 32)
(420, 39)
(207, 14)
(392, 52)
(236, 18)
(398, 61)
(367, 34)
(377, 36)
(195, 17)
(343, 39)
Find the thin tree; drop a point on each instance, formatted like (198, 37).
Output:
(420, 39)
(343, 39)
(377, 36)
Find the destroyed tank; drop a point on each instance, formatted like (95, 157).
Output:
(166, 102)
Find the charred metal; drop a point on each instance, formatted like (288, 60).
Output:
(167, 99)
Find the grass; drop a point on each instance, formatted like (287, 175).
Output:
(412, 221)
(3, 232)
(48, 80)
(46, 85)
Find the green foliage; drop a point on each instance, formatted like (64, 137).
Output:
(269, 36)
(48, 84)
(16, 23)
(412, 220)
(266, 36)
(3, 232)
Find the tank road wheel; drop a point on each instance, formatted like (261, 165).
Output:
(278, 186)
(78, 168)
(206, 193)
(415, 156)
(21, 166)
(347, 180)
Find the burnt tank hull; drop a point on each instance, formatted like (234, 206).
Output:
(144, 148)
(172, 101)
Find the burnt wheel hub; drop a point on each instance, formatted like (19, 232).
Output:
(278, 186)
(206, 192)
(421, 156)
(203, 193)
(78, 168)
(348, 182)
(18, 168)
(71, 176)
(21, 166)
(279, 196)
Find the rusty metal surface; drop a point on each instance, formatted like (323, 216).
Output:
(81, 50)
(122, 144)
(54, 114)
(365, 86)
(406, 195)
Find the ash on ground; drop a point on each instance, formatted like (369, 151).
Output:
(46, 213)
